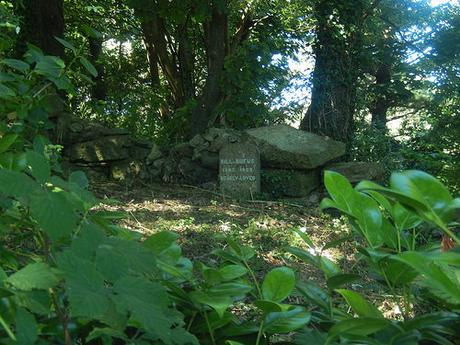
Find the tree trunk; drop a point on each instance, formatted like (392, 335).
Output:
(43, 20)
(99, 90)
(333, 101)
(216, 33)
(383, 95)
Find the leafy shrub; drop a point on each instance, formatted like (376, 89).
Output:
(388, 221)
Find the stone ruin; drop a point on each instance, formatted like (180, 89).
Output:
(291, 160)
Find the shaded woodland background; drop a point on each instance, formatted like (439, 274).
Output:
(167, 70)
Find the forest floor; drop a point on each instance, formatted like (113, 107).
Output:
(203, 219)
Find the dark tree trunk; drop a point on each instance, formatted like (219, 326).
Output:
(152, 56)
(99, 90)
(383, 95)
(333, 102)
(43, 20)
(216, 34)
(382, 103)
(186, 62)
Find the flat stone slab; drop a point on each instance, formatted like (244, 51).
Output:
(239, 170)
(283, 146)
(358, 171)
(104, 149)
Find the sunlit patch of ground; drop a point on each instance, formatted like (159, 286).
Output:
(203, 220)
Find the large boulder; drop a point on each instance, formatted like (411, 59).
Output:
(282, 146)
(358, 171)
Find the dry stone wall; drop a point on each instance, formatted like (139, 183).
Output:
(291, 160)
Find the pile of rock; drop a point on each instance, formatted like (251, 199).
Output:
(292, 160)
(103, 152)
(193, 162)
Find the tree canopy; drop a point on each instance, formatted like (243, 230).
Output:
(384, 74)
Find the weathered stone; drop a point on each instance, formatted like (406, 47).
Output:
(143, 143)
(291, 183)
(197, 141)
(101, 150)
(79, 130)
(218, 137)
(154, 174)
(358, 171)
(138, 152)
(209, 160)
(154, 154)
(239, 170)
(194, 173)
(158, 164)
(183, 149)
(283, 146)
(125, 170)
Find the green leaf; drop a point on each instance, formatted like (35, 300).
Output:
(26, 327)
(33, 276)
(422, 186)
(403, 218)
(324, 264)
(148, 304)
(85, 287)
(286, 321)
(39, 166)
(54, 213)
(358, 326)
(89, 66)
(18, 65)
(66, 44)
(6, 92)
(278, 284)
(416, 203)
(161, 241)
(304, 236)
(369, 219)
(16, 184)
(340, 190)
(215, 321)
(314, 294)
(36, 301)
(436, 277)
(101, 332)
(310, 336)
(79, 178)
(6, 142)
(231, 272)
(50, 66)
(341, 279)
(432, 320)
(116, 258)
(359, 305)
(233, 289)
(269, 306)
(218, 302)
(244, 253)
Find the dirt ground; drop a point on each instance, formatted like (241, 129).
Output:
(204, 218)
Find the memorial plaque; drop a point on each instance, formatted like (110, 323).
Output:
(239, 170)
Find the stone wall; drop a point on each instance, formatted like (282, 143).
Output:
(292, 161)
(103, 152)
